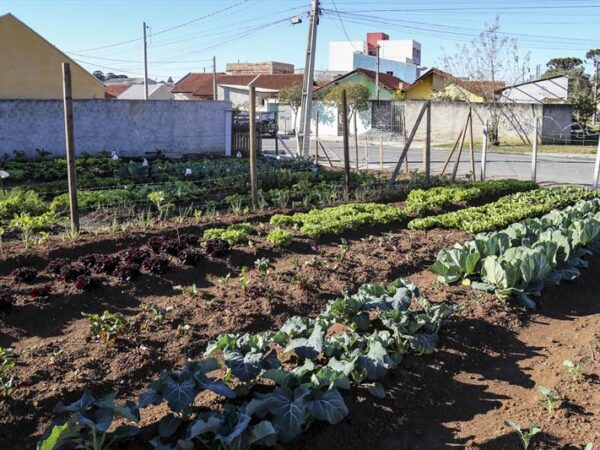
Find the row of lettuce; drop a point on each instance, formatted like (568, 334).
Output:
(275, 383)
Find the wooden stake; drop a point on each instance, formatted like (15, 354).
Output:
(534, 150)
(346, 143)
(427, 149)
(325, 153)
(70, 147)
(367, 153)
(454, 147)
(356, 139)
(407, 144)
(253, 178)
(484, 151)
(381, 154)
(462, 143)
(471, 146)
(317, 140)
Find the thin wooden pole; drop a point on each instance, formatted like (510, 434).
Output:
(367, 152)
(356, 140)
(253, 178)
(460, 149)
(534, 150)
(471, 146)
(596, 168)
(484, 151)
(70, 147)
(317, 139)
(381, 154)
(454, 147)
(407, 144)
(325, 153)
(427, 149)
(346, 143)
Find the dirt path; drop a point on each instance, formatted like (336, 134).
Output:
(491, 361)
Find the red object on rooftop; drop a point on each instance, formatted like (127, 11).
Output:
(373, 38)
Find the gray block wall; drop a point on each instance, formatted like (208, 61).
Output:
(131, 127)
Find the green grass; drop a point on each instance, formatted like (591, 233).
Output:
(524, 148)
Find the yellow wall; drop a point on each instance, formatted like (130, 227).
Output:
(32, 67)
(434, 87)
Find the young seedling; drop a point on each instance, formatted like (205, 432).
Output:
(187, 291)
(549, 398)
(108, 326)
(524, 434)
(244, 279)
(7, 362)
(262, 265)
(225, 279)
(157, 315)
(573, 368)
(344, 249)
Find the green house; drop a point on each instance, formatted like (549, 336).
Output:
(388, 84)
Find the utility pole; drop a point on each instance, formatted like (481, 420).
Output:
(377, 73)
(214, 77)
(309, 75)
(145, 65)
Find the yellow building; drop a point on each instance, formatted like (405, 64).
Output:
(32, 66)
(436, 84)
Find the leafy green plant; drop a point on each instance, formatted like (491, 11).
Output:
(244, 279)
(573, 368)
(157, 315)
(263, 265)
(85, 424)
(187, 291)
(158, 198)
(234, 234)
(506, 210)
(526, 435)
(280, 237)
(7, 362)
(550, 399)
(337, 220)
(108, 326)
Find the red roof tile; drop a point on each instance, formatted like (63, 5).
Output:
(387, 81)
(114, 90)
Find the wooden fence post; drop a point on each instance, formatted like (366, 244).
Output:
(534, 150)
(346, 143)
(597, 168)
(70, 147)
(367, 152)
(381, 154)
(484, 145)
(407, 144)
(460, 148)
(317, 140)
(356, 139)
(427, 149)
(253, 178)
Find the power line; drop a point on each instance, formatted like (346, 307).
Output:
(166, 29)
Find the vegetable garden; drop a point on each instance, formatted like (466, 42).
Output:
(324, 319)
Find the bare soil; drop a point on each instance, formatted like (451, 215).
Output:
(492, 355)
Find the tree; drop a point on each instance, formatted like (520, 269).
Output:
(292, 97)
(357, 96)
(493, 60)
(99, 74)
(564, 64)
(594, 56)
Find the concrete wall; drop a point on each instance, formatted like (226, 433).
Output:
(516, 125)
(131, 127)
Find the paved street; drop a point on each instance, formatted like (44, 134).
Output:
(574, 169)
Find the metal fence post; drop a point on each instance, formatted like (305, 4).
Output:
(534, 150)
(484, 151)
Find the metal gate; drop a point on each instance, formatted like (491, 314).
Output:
(387, 115)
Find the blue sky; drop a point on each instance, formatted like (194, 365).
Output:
(185, 35)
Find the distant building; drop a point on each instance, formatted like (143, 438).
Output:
(127, 81)
(155, 92)
(32, 66)
(435, 84)
(266, 68)
(199, 86)
(400, 58)
(546, 90)
(388, 84)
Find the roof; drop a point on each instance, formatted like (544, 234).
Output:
(114, 90)
(200, 84)
(137, 91)
(128, 81)
(502, 88)
(386, 81)
(481, 88)
(68, 59)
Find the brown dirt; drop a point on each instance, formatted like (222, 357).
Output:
(491, 358)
